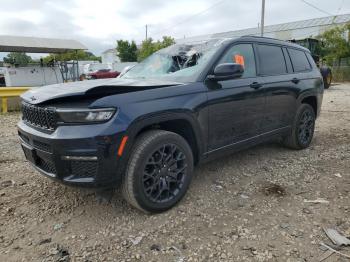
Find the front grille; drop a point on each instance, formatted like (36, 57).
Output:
(84, 168)
(42, 117)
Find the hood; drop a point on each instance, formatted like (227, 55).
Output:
(93, 87)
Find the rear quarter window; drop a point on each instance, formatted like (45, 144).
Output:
(271, 60)
(299, 60)
(311, 60)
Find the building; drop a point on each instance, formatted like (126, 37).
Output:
(286, 31)
(110, 56)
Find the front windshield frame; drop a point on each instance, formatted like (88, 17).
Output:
(204, 52)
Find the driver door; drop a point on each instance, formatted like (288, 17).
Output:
(236, 107)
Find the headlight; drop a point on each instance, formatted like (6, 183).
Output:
(85, 115)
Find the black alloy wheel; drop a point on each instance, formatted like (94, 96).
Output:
(164, 173)
(303, 127)
(306, 127)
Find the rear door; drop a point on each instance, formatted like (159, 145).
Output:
(235, 106)
(276, 71)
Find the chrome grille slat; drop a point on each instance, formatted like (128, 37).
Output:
(41, 117)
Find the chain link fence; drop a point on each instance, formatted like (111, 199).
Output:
(341, 70)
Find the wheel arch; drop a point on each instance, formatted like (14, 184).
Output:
(183, 124)
(313, 97)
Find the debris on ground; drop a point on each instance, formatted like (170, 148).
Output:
(6, 183)
(338, 240)
(317, 201)
(334, 251)
(155, 247)
(136, 240)
(274, 190)
(57, 226)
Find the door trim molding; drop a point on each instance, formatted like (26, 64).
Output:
(278, 130)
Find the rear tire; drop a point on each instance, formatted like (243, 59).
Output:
(159, 171)
(303, 128)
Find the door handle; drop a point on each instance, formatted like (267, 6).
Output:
(295, 80)
(255, 85)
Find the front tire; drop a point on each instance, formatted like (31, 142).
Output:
(159, 171)
(303, 128)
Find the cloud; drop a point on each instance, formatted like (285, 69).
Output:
(98, 24)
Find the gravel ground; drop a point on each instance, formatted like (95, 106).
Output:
(245, 207)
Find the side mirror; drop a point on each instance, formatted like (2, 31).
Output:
(227, 71)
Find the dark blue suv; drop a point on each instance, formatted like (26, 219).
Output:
(182, 106)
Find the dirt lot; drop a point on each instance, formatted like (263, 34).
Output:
(246, 207)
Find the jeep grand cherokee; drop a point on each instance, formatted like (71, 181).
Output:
(182, 106)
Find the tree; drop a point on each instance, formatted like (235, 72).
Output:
(79, 55)
(18, 58)
(148, 47)
(127, 52)
(335, 44)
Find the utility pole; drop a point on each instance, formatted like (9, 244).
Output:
(262, 17)
(146, 32)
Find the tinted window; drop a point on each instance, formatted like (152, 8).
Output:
(241, 54)
(299, 60)
(311, 60)
(271, 60)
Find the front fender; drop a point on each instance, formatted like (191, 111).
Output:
(152, 119)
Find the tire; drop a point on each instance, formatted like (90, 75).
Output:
(151, 171)
(303, 128)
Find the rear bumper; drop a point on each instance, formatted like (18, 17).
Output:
(75, 155)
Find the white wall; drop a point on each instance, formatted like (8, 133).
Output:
(32, 76)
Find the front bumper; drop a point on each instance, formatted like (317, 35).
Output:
(84, 155)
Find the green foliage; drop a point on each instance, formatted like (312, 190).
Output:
(335, 43)
(127, 52)
(79, 55)
(148, 47)
(17, 58)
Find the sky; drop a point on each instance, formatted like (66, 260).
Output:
(98, 24)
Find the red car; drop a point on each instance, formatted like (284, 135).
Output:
(103, 73)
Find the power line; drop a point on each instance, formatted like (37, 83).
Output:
(319, 9)
(190, 18)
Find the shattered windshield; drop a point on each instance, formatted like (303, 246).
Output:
(179, 62)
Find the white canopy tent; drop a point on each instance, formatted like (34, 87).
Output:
(38, 45)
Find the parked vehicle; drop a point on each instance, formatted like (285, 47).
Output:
(103, 73)
(182, 106)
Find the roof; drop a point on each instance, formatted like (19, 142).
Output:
(270, 29)
(263, 39)
(38, 45)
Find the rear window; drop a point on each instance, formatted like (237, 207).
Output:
(271, 60)
(299, 60)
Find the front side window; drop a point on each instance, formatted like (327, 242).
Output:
(271, 60)
(241, 54)
(299, 60)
